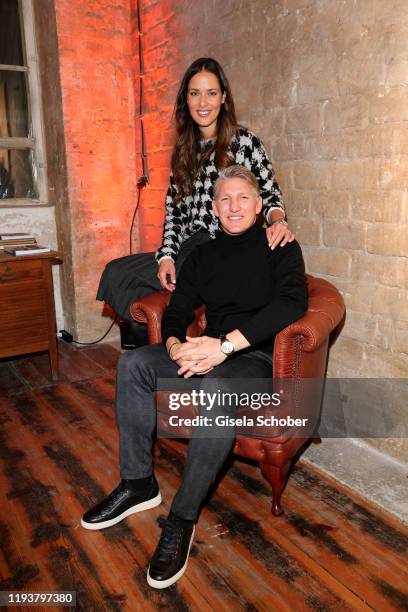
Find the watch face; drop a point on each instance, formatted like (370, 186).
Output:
(227, 347)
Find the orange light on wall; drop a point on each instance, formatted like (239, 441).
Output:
(161, 75)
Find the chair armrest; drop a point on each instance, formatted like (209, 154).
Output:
(150, 310)
(310, 334)
(316, 325)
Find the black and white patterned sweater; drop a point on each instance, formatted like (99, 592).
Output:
(194, 212)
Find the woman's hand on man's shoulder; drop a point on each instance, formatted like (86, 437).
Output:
(279, 234)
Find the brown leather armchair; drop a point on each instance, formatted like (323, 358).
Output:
(300, 352)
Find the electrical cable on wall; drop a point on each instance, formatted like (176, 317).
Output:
(143, 180)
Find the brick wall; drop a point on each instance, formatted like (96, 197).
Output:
(97, 48)
(324, 84)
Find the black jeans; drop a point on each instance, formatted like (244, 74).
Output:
(137, 376)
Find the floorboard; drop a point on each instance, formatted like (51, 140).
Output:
(331, 551)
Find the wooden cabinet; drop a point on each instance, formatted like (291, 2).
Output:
(27, 311)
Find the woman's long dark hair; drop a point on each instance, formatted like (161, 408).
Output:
(187, 158)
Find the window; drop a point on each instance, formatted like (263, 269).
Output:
(22, 153)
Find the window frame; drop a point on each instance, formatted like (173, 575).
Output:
(34, 101)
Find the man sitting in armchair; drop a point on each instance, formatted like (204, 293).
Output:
(250, 293)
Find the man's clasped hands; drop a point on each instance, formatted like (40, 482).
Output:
(195, 356)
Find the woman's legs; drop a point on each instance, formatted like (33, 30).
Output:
(127, 279)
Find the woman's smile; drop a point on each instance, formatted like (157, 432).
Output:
(204, 99)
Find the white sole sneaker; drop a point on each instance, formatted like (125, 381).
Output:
(163, 584)
(150, 503)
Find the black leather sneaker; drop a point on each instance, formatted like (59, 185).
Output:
(170, 558)
(122, 502)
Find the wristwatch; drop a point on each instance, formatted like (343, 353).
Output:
(226, 345)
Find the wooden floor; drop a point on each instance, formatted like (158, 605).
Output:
(331, 551)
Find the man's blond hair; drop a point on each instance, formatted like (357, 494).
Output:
(236, 171)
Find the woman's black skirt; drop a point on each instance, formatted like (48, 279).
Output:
(127, 279)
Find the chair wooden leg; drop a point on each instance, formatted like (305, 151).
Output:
(276, 476)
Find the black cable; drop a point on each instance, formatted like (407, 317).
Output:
(102, 337)
(144, 179)
(139, 189)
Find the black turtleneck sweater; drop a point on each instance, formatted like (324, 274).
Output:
(243, 284)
